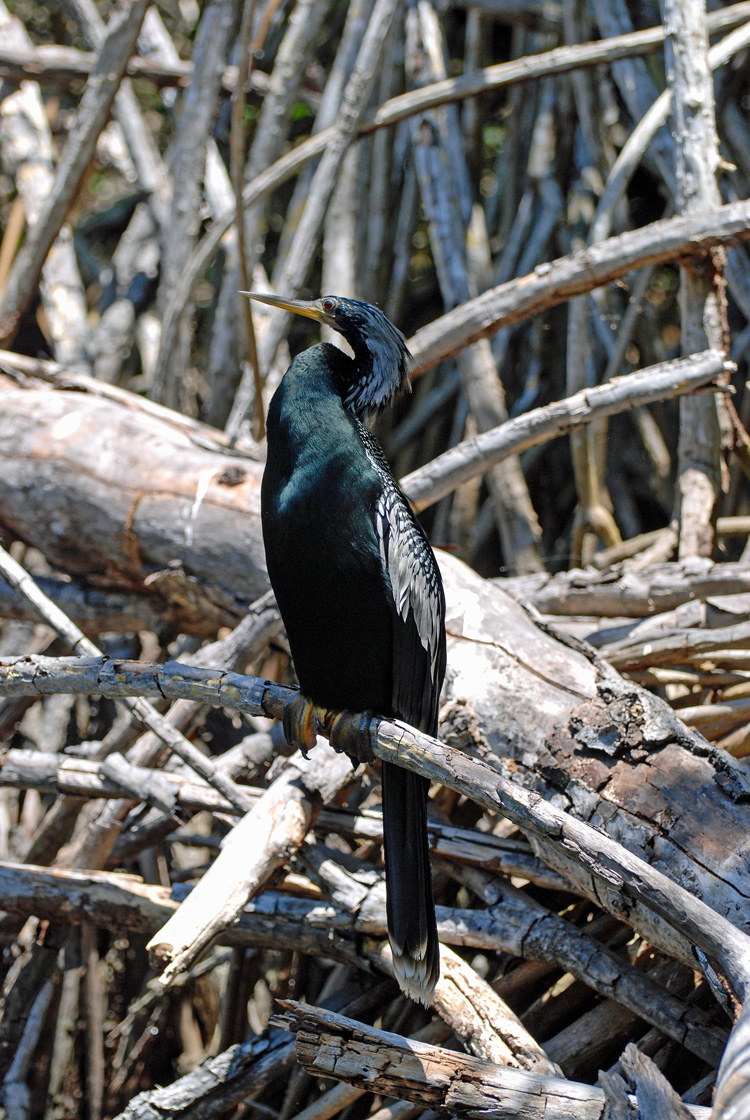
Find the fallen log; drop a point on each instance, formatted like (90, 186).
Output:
(128, 501)
(621, 592)
(330, 1045)
(554, 717)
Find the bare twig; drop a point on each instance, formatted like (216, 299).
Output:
(93, 111)
(187, 163)
(526, 69)
(565, 841)
(670, 239)
(27, 153)
(702, 296)
(237, 160)
(144, 712)
(306, 236)
(441, 172)
(449, 470)
(267, 836)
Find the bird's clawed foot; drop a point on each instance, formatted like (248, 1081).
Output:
(300, 722)
(349, 733)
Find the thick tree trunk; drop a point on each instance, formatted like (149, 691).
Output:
(558, 720)
(127, 501)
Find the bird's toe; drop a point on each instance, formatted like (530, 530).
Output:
(300, 722)
(349, 733)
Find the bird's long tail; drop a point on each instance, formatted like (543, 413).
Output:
(410, 907)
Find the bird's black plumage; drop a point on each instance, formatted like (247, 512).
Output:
(357, 584)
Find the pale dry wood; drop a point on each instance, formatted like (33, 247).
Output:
(27, 156)
(655, 1096)
(583, 1045)
(535, 933)
(309, 230)
(455, 466)
(218, 1083)
(331, 1045)
(702, 297)
(87, 777)
(54, 63)
(95, 486)
(247, 48)
(355, 25)
(733, 1084)
(678, 646)
(399, 108)
(187, 160)
(164, 731)
(571, 691)
(98, 96)
(292, 58)
(512, 924)
(640, 138)
(150, 170)
(247, 641)
(239, 1073)
(441, 170)
(646, 549)
(178, 501)
(483, 1020)
(27, 371)
(670, 239)
(266, 837)
(622, 593)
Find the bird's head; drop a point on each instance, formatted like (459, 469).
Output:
(381, 359)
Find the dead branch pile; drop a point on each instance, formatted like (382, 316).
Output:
(550, 199)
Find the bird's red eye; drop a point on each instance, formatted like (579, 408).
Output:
(329, 304)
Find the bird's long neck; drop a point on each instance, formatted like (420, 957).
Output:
(369, 379)
(308, 405)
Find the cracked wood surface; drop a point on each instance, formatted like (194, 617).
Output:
(461, 1085)
(552, 719)
(557, 719)
(130, 502)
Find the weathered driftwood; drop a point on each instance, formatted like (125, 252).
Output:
(131, 502)
(57, 64)
(174, 792)
(557, 281)
(330, 1045)
(703, 308)
(116, 46)
(239, 1072)
(392, 111)
(457, 465)
(571, 729)
(620, 592)
(344, 928)
(567, 727)
(442, 174)
(265, 839)
(164, 731)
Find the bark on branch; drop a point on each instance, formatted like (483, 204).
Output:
(330, 1045)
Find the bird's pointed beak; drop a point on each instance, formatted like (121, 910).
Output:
(310, 308)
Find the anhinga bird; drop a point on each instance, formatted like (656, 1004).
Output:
(358, 587)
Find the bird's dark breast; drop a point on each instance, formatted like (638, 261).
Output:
(318, 505)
